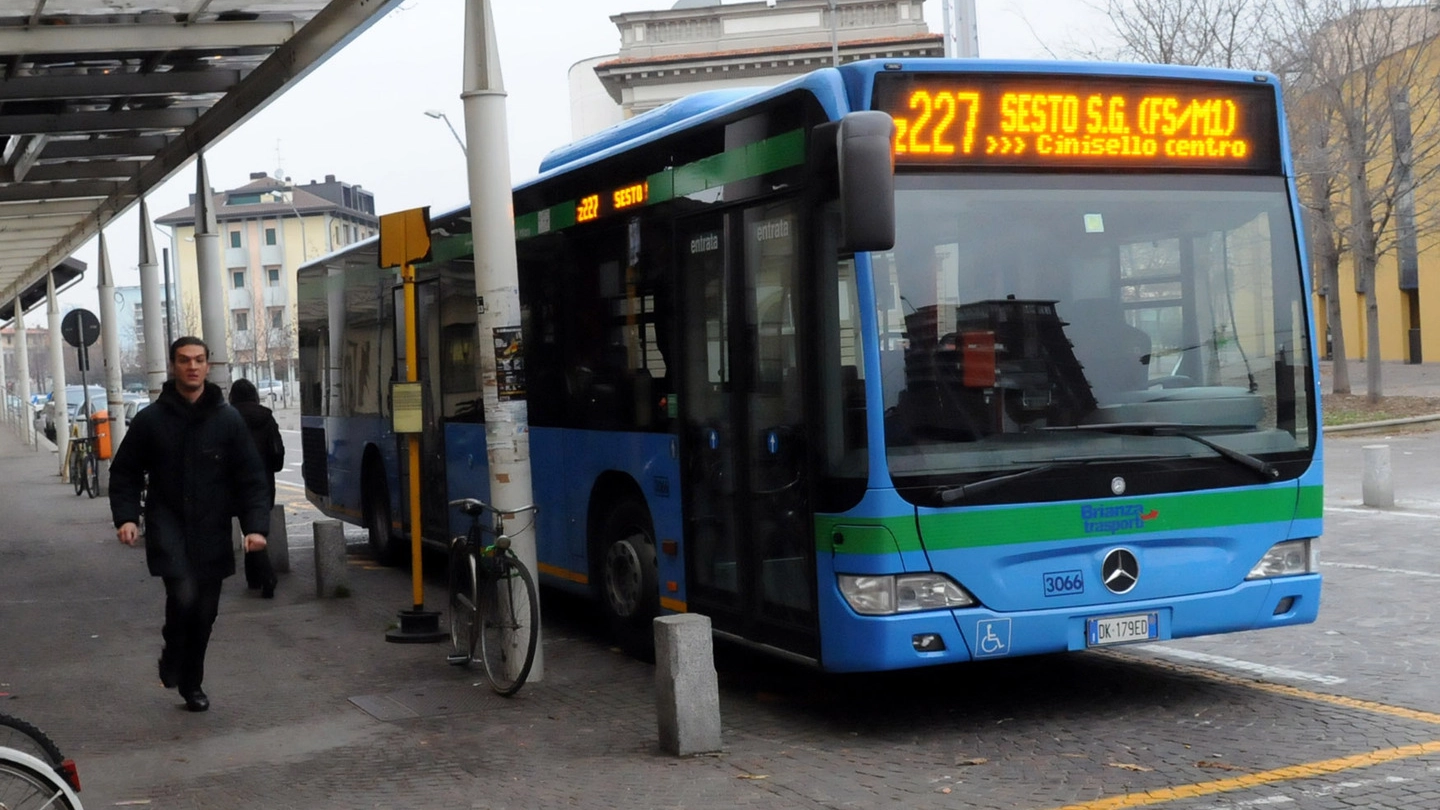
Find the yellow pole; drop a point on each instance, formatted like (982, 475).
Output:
(417, 587)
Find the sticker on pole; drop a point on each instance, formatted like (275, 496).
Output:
(509, 363)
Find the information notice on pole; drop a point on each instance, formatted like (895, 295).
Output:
(509, 363)
(407, 410)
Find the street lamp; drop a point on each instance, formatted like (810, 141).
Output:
(442, 117)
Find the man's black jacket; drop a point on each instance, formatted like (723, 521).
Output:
(203, 468)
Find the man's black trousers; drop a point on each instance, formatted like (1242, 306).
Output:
(190, 609)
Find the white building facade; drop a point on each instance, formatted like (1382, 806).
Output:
(702, 45)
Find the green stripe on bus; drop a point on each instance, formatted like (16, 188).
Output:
(772, 154)
(1037, 523)
(753, 160)
(554, 218)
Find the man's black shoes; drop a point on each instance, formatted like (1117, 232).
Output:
(267, 590)
(169, 674)
(196, 701)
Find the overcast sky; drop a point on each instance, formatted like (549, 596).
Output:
(360, 116)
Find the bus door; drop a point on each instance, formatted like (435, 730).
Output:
(749, 539)
(434, 513)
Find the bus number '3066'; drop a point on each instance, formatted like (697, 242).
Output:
(1060, 583)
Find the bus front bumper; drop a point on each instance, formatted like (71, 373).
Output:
(854, 643)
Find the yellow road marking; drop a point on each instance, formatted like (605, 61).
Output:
(1288, 773)
(1295, 692)
(1285, 774)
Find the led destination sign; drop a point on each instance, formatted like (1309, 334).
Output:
(1090, 122)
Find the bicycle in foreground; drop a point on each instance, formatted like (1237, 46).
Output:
(493, 602)
(33, 773)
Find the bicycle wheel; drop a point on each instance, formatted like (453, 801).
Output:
(22, 736)
(23, 787)
(464, 629)
(77, 469)
(509, 625)
(92, 475)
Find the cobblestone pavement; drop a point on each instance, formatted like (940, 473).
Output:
(313, 709)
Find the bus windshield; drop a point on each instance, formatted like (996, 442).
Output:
(1027, 319)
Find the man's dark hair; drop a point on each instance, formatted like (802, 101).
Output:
(187, 340)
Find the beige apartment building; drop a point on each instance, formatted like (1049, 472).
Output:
(269, 227)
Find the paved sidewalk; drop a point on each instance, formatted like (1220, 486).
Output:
(1396, 378)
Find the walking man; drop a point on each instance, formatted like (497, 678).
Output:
(202, 467)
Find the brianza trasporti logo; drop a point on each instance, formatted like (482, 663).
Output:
(1127, 517)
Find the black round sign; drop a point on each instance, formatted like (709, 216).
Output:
(80, 327)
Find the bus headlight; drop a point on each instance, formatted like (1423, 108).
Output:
(1288, 559)
(902, 593)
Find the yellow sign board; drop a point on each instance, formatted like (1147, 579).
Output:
(405, 237)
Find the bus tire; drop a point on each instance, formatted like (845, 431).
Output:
(629, 577)
(376, 495)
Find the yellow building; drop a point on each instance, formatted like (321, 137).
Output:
(1396, 100)
(268, 228)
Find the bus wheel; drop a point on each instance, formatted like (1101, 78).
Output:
(377, 518)
(629, 581)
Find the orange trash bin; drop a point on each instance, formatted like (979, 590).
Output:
(101, 421)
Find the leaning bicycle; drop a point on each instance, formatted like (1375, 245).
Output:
(33, 773)
(493, 602)
(84, 465)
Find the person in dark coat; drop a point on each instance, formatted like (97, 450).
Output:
(202, 468)
(259, 574)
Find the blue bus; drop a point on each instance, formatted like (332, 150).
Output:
(896, 364)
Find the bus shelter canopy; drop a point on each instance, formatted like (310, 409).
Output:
(103, 100)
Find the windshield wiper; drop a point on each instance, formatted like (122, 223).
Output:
(1185, 431)
(953, 494)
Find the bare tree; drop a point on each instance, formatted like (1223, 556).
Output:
(1214, 33)
(1362, 75)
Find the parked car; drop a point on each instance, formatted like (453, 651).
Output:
(270, 390)
(74, 407)
(133, 404)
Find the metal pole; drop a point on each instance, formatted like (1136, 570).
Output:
(213, 324)
(150, 307)
(5, 391)
(967, 36)
(412, 440)
(60, 399)
(169, 307)
(948, 15)
(834, 35)
(110, 349)
(497, 290)
(22, 368)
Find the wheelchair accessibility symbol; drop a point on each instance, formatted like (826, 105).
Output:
(994, 637)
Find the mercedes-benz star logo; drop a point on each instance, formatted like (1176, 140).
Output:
(1121, 571)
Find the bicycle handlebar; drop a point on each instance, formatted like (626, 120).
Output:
(474, 507)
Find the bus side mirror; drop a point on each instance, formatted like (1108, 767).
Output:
(867, 181)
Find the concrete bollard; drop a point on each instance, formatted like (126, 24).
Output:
(1377, 487)
(278, 542)
(331, 571)
(687, 690)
